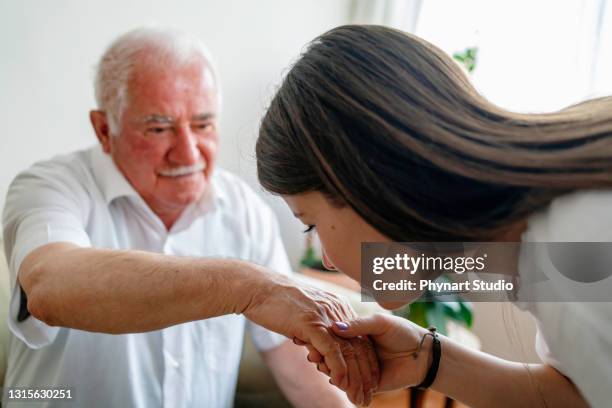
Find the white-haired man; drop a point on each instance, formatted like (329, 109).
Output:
(128, 259)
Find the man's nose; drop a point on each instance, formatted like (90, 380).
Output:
(185, 149)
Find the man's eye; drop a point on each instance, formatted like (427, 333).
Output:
(309, 228)
(157, 130)
(204, 127)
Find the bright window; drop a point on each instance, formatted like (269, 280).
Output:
(533, 56)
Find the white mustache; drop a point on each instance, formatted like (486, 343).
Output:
(183, 170)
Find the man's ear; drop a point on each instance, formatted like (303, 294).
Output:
(100, 124)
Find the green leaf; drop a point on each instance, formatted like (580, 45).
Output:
(453, 307)
(467, 58)
(467, 313)
(436, 316)
(416, 312)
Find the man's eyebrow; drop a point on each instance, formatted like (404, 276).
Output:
(203, 116)
(155, 118)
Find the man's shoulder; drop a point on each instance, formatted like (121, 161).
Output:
(63, 167)
(67, 175)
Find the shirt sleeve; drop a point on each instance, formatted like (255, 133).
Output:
(44, 205)
(578, 309)
(267, 249)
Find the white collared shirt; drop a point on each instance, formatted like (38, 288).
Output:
(82, 198)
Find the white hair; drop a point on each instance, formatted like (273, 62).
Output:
(160, 47)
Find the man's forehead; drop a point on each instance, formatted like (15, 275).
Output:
(148, 66)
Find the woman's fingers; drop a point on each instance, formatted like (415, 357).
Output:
(374, 325)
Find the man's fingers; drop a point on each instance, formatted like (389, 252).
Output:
(298, 342)
(329, 348)
(355, 386)
(322, 367)
(314, 356)
(374, 363)
(363, 358)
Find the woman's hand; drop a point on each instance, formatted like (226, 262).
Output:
(306, 314)
(395, 341)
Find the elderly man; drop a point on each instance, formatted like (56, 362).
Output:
(127, 260)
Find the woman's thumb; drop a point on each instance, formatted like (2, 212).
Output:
(362, 326)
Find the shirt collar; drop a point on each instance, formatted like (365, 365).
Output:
(110, 180)
(113, 184)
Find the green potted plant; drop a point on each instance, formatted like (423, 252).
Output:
(311, 259)
(426, 313)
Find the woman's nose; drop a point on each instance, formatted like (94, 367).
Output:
(327, 263)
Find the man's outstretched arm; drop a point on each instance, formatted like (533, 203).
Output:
(116, 291)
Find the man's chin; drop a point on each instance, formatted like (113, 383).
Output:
(182, 197)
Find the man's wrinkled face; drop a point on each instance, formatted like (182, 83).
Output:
(167, 142)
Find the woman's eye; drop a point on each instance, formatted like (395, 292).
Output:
(309, 228)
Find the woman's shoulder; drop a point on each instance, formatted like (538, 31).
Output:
(581, 216)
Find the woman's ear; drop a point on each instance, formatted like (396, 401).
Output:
(100, 124)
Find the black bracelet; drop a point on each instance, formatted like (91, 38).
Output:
(430, 377)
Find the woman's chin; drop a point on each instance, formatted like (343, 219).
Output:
(388, 304)
(391, 305)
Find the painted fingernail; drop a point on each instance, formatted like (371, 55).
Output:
(342, 325)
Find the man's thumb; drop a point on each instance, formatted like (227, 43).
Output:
(362, 326)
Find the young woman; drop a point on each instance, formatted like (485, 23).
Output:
(376, 135)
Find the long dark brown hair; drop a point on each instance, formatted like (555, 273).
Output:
(388, 124)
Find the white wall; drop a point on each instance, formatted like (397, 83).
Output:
(49, 49)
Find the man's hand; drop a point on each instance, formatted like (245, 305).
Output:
(306, 314)
(367, 363)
